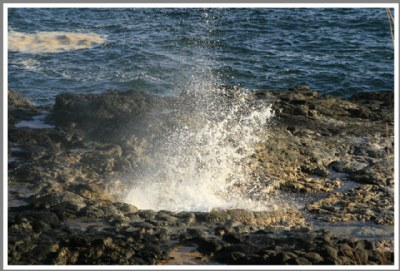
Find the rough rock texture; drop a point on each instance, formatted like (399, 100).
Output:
(103, 117)
(65, 183)
(19, 108)
(319, 143)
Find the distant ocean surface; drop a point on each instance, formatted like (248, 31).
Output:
(335, 51)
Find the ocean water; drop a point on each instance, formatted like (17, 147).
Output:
(336, 51)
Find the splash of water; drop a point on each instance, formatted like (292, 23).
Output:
(205, 159)
(52, 42)
(204, 162)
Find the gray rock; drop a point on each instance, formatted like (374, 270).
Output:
(313, 257)
(186, 218)
(362, 255)
(285, 256)
(346, 250)
(329, 251)
(300, 261)
(19, 108)
(147, 214)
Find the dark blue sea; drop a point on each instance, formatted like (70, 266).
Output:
(335, 51)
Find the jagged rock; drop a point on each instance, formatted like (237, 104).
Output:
(20, 108)
(77, 174)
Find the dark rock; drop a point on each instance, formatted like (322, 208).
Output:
(362, 255)
(233, 238)
(283, 257)
(76, 172)
(329, 251)
(299, 261)
(92, 212)
(40, 219)
(42, 251)
(167, 217)
(102, 242)
(100, 115)
(313, 257)
(125, 207)
(111, 211)
(186, 218)
(346, 250)
(209, 246)
(60, 257)
(237, 255)
(241, 215)
(77, 241)
(19, 108)
(195, 232)
(147, 214)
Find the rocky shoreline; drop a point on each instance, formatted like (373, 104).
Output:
(68, 167)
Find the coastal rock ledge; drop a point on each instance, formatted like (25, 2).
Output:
(326, 160)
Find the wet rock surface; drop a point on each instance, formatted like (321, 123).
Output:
(67, 179)
(19, 108)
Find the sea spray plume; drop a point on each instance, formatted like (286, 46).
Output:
(202, 159)
(203, 162)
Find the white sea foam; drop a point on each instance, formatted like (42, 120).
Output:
(204, 163)
(37, 122)
(52, 42)
(29, 64)
(206, 158)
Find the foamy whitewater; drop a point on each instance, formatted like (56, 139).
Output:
(204, 160)
(204, 163)
(52, 42)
